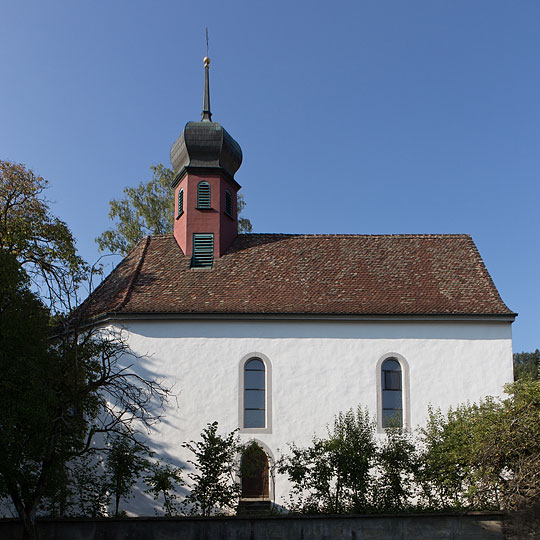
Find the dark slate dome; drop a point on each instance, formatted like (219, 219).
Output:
(206, 144)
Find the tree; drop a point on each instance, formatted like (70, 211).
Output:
(396, 470)
(448, 469)
(508, 456)
(126, 460)
(59, 397)
(162, 480)
(42, 243)
(244, 223)
(214, 488)
(145, 210)
(485, 455)
(527, 365)
(333, 474)
(90, 493)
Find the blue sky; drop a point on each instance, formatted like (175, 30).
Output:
(384, 116)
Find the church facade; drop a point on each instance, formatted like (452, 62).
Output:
(274, 334)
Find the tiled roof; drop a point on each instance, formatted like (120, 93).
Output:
(305, 274)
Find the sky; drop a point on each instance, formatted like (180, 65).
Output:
(365, 117)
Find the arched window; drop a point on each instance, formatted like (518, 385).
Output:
(180, 203)
(254, 394)
(228, 203)
(203, 195)
(391, 393)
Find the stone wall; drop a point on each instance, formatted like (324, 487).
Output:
(477, 526)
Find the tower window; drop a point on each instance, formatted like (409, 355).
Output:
(228, 203)
(203, 251)
(203, 195)
(180, 203)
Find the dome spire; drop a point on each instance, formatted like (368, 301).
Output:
(206, 114)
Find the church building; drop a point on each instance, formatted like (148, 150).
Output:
(274, 334)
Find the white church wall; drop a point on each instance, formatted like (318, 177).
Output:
(317, 370)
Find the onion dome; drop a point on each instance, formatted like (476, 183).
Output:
(205, 144)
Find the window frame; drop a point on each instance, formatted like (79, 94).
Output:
(267, 398)
(405, 391)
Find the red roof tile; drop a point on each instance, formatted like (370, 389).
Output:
(306, 274)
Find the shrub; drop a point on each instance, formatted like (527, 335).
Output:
(214, 488)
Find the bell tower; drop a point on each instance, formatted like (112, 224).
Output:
(204, 159)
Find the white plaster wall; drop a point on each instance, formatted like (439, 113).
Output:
(318, 369)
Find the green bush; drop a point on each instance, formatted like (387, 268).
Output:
(333, 475)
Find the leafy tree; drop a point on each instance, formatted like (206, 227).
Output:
(527, 365)
(27, 369)
(447, 466)
(58, 395)
(163, 480)
(42, 243)
(126, 460)
(396, 467)
(485, 455)
(244, 223)
(333, 474)
(508, 457)
(214, 489)
(90, 493)
(146, 210)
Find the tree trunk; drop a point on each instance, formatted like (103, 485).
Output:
(26, 512)
(29, 526)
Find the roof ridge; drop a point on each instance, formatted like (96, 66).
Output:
(355, 235)
(124, 300)
(342, 235)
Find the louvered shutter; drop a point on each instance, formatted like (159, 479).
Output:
(228, 203)
(180, 203)
(203, 195)
(203, 251)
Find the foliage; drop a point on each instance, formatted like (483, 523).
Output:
(396, 470)
(146, 210)
(126, 460)
(485, 455)
(162, 480)
(42, 243)
(509, 454)
(214, 489)
(475, 457)
(57, 395)
(90, 493)
(244, 223)
(446, 470)
(527, 365)
(333, 474)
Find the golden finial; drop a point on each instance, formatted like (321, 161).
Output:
(206, 61)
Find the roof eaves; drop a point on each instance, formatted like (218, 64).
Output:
(477, 317)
